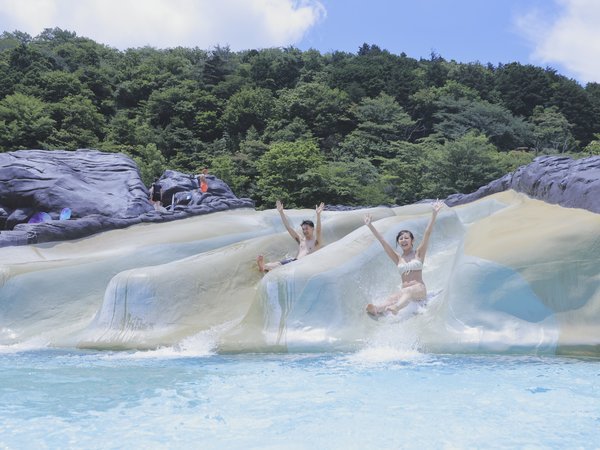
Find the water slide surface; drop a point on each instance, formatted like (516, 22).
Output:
(504, 274)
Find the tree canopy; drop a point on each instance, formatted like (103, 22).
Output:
(360, 128)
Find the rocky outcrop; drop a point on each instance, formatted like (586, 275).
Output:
(572, 183)
(103, 190)
(87, 181)
(181, 192)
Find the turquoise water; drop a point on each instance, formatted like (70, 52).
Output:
(373, 398)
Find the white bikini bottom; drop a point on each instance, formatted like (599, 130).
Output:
(412, 309)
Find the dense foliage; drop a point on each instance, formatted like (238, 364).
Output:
(364, 128)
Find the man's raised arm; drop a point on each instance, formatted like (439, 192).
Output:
(286, 223)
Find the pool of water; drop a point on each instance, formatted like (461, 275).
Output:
(373, 398)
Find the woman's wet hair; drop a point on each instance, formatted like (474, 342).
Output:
(308, 222)
(401, 232)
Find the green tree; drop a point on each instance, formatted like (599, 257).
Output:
(475, 76)
(219, 64)
(25, 122)
(593, 92)
(512, 160)
(371, 71)
(101, 82)
(245, 162)
(146, 70)
(122, 129)
(436, 70)
(404, 175)
(313, 64)
(172, 105)
(288, 131)
(523, 87)
(78, 124)
(593, 148)
(363, 75)
(275, 68)
(286, 172)
(11, 40)
(355, 182)
(461, 166)
(383, 116)
(69, 50)
(552, 131)
(323, 109)
(183, 115)
(425, 103)
(226, 168)
(23, 67)
(381, 121)
(55, 85)
(190, 162)
(456, 117)
(250, 107)
(150, 161)
(576, 105)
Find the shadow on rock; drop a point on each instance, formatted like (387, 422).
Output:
(104, 191)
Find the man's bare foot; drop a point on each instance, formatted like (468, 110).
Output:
(260, 260)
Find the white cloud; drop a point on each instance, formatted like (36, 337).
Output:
(241, 24)
(571, 39)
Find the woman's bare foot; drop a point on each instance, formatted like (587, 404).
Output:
(392, 309)
(372, 310)
(260, 260)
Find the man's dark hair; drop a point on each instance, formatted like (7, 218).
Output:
(308, 222)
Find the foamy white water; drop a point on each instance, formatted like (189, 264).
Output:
(373, 398)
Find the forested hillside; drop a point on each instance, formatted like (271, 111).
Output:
(343, 128)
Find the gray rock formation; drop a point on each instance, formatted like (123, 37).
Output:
(103, 190)
(572, 183)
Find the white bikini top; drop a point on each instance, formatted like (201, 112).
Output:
(413, 264)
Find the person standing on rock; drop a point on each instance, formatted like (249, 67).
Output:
(156, 194)
(202, 183)
(308, 242)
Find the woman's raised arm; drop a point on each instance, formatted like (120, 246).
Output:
(387, 247)
(422, 249)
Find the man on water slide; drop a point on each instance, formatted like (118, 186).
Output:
(308, 242)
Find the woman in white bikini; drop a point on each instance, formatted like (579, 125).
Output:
(410, 265)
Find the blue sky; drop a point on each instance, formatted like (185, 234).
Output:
(563, 34)
(467, 30)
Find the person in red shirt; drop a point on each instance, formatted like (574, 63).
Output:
(202, 183)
